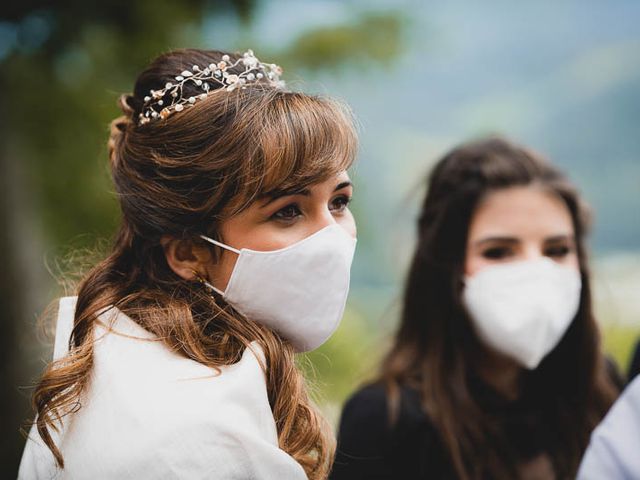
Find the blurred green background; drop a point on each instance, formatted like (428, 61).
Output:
(561, 76)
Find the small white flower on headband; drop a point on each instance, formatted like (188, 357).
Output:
(202, 77)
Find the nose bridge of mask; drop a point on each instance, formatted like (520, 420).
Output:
(220, 244)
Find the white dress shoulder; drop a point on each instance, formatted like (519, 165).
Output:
(151, 413)
(614, 449)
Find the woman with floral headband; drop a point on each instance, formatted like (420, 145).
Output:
(176, 357)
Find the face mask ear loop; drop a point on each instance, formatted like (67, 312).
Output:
(220, 244)
(213, 288)
(202, 281)
(226, 247)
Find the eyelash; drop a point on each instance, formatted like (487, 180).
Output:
(293, 209)
(498, 253)
(344, 200)
(559, 251)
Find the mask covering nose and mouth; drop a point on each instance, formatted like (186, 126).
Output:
(523, 309)
(299, 291)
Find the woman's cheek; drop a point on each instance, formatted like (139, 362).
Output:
(347, 221)
(474, 263)
(571, 260)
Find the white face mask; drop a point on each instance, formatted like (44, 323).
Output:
(523, 309)
(299, 291)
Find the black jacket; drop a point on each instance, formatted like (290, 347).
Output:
(369, 447)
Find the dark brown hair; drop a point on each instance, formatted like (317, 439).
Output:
(435, 342)
(182, 176)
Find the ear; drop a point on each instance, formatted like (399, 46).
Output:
(184, 257)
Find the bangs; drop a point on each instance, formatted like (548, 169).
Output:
(301, 140)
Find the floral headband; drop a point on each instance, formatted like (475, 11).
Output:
(206, 78)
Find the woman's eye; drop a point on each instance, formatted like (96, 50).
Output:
(290, 212)
(557, 252)
(340, 203)
(496, 253)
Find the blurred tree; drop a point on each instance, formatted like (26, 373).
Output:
(59, 78)
(373, 39)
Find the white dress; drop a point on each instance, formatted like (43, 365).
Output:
(151, 413)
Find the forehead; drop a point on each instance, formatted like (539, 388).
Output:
(331, 182)
(525, 212)
(325, 182)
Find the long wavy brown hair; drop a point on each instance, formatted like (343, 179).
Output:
(183, 176)
(435, 346)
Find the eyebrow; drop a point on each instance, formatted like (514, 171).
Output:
(275, 195)
(560, 238)
(497, 240)
(512, 240)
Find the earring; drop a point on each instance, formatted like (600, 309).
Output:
(203, 282)
(199, 277)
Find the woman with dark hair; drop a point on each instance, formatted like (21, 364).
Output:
(176, 357)
(496, 369)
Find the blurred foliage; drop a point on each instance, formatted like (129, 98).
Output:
(619, 341)
(331, 47)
